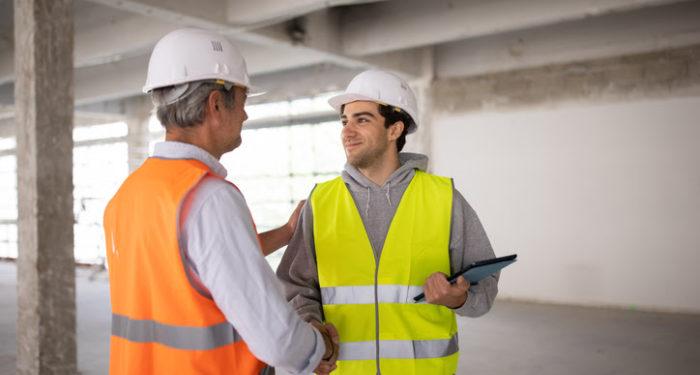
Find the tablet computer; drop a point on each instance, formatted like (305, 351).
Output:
(478, 271)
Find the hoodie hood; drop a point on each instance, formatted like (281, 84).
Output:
(363, 189)
(408, 163)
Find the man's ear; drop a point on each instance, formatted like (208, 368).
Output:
(395, 130)
(214, 102)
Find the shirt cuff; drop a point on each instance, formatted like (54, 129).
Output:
(319, 351)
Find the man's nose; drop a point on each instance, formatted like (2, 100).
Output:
(348, 130)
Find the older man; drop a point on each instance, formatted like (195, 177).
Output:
(191, 292)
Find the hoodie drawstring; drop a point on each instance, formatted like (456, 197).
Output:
(388, 195)
(367, 205)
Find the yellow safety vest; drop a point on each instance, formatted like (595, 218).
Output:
(382, 330)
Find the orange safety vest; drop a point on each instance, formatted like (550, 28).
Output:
(160, 323)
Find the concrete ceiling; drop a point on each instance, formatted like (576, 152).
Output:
(331, 39)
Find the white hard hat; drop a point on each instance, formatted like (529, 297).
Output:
(382, 87)
(189, 55)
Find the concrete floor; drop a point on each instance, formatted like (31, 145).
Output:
(514, 338)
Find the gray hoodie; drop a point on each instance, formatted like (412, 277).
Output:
(377, 206)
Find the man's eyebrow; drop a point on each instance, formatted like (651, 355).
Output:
(358, 114)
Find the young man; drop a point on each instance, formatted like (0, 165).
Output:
(372, 239)
(191, 292)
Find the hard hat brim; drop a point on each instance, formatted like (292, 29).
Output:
(339, 100)
(250, 89)
(255, 91)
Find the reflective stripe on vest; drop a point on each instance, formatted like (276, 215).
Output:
(399, 349)
(381, 329)
(178, 337)
(365, 294)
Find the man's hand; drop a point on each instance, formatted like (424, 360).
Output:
(294, 219)
(331, 340)
(274, 239)
(439, 291)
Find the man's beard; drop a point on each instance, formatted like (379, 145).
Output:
(366, 159)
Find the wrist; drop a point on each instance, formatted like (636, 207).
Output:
(459, 302)
(328, 353)
(327, 342)
(288, 231)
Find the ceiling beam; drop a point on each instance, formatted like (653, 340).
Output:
(262, 12)
(318, 35)
(224, 15)
(303, 82)
(640, 31)
(610, 35)
(126, 77)
(136, 36)
(151, 19)
(396, 25)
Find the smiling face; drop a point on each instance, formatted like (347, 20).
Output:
(365, 138)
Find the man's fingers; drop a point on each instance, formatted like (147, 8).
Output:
(428, 290)
(436, 281)
(462, 284)
(439, 291)
(442, 286)
(333, 332)
(300, 205)
(325, 367)
(335, 341)
(432, 288)
(294, 218)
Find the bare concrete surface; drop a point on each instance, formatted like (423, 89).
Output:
(43, 56)
(674, 72)
(514, 338)
(93, 319)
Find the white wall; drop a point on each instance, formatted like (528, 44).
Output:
(601, 202)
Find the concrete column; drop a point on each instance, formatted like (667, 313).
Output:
(420, 141)
(138, 113)
(46, 326)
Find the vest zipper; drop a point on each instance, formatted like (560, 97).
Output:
(376, 295)
(376, 311)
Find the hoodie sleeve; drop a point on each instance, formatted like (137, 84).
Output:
(468, 244)
(298, 271)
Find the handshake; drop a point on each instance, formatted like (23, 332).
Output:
(330, 338)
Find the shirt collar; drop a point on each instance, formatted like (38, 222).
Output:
(179, 150)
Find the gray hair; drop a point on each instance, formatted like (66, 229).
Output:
(185, 105)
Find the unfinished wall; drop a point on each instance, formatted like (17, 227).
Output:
(591, 174)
